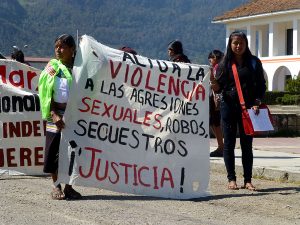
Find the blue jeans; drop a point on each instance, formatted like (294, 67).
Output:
(231, 117)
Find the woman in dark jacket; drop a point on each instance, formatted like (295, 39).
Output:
(175, 52)
(253, 87)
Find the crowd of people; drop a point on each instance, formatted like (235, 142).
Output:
(225, 116)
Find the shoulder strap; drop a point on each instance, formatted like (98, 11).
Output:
(238, 85)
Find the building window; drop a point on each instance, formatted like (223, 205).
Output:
(289, 42)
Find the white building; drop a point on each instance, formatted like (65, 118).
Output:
(273, 31)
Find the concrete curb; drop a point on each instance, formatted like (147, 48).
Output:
(260, 172)
(274, 158)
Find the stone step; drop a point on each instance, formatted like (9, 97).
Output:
(284, 109)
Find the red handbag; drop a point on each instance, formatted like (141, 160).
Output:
(247, 124)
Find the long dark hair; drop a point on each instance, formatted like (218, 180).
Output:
(18, 55)
(69, 41)
(229, 55)
(217, 54)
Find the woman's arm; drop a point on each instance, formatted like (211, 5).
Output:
(260, 82)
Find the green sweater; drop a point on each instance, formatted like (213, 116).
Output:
(46, 84)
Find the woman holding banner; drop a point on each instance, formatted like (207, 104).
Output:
(175, 52)
(54, 84)
(253, 86)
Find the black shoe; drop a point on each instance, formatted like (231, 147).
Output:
(71, 194)
(217, 153)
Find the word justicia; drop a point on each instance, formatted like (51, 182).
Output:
(116, 172)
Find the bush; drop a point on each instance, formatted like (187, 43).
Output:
(293, 96)
(293, 85)
(289, 99)
(271, 97)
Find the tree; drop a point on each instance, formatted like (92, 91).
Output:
(293, 85)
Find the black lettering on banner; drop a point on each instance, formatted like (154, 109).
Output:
(89, 84)
(132, 138)
(112, 89)
(135, 136)
(179, 106)
(176, 105)
(16, 103)
(137, 61)
(81, 123)
(184, 127)
(169, 147)
(189, 74)
(183, 148)
(176, 68)
(148, 98)
(148, 136)
(128, 56)
(104, 128)
(92, 129)
(150, 62)
(160, 67)
(200, 73)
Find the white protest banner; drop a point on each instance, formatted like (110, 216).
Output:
(21, 126)
(136, 125)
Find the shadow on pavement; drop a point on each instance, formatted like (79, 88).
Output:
(259, 192)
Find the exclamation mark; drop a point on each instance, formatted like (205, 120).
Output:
(73, 146)
(182, 180)
(71, 163)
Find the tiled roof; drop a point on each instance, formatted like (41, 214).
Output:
(256, 7)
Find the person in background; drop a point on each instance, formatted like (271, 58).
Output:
(175, 52)
(2, 56)
(18, 55)
(250, 72)
(54, 84)
(214, 57)
(128, 49)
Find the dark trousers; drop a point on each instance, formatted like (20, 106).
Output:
(231, 119)
(51, 152)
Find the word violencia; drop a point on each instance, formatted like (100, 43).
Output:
(116, 172)
(164, 84)
(18, 78)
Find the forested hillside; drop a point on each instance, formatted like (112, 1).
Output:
(145, 25)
